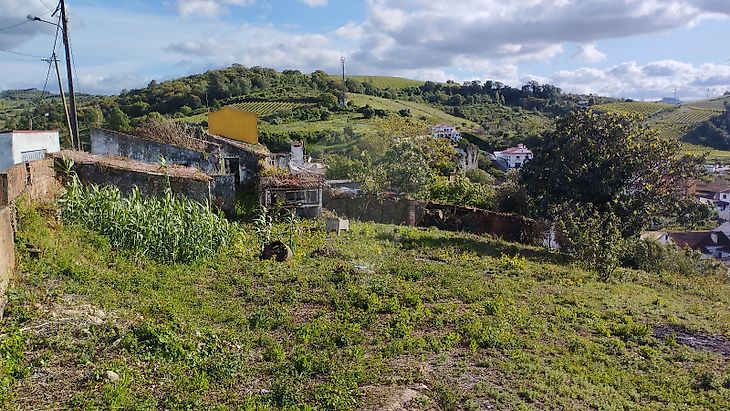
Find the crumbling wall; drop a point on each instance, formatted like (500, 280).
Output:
(368, 208)
(445, 217)
(37, 179)
(217, 190)
(7, 253)
(112, 143)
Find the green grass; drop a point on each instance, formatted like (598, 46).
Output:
(385, 81)
(418, 110)
(480, 323)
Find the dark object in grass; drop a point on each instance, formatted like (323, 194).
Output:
(277, 250)
(699, 341)
(33, 251)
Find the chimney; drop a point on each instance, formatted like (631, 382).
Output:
(713, 236)
(297, 153)
(520, 146)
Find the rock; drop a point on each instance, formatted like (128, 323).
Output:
(277, 250)
(111, 376)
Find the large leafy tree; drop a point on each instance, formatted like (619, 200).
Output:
(613, 163)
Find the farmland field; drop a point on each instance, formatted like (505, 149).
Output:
(713, 104)
(431, 114)
(384, 81)
(380, 317)
(265, 108)
(645, 109)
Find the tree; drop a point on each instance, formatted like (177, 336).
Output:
(613, 163)
(117, 120)
(403, 169)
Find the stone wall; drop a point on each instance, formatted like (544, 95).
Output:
(367, 208)
(153, 181)
(37, 179)
(451, 218)
(7, 253)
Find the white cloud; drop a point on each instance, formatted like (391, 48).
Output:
(253, 45)
(207, 8)
(315, 3)
(418, 34)
(589, 53)
(15, 29)
(650, 81)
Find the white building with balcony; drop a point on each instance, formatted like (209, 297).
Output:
(446, 131)
(514, 157)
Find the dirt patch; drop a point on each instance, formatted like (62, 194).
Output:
(394, 398)
(699, 341)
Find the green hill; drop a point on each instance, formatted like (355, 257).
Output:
(377, 316)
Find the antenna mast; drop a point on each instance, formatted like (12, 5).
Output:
(344, 84)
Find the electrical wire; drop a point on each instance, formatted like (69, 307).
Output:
(12, 26)
(50, 62)
(22, 54)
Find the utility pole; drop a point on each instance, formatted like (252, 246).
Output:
(74, 119)
(344, 83)
(54, 60)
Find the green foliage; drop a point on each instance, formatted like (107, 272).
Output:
(345, 167)
(462, 192)
(592, 237)
(614, 163)
(117, 120)
(168, 229)
(403, 169)
(13, 366)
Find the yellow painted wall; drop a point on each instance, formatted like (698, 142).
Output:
(230, 122)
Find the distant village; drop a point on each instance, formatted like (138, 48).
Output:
(218, 163)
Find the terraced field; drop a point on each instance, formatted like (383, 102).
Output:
(265, 108)
(646, 109)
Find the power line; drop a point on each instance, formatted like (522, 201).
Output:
(22, 54)
(44, 3)
(50, 61)
(26, 21)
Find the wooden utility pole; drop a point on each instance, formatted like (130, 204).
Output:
(54, 60)
(74, 118)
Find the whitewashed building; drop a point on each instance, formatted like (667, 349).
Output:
(20, 146)
(446, 131)
(514, 157)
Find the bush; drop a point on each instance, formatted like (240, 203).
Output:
(462, 192)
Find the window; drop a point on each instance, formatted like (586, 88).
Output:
(32, 155)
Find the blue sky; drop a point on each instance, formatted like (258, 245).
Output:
(640, 49)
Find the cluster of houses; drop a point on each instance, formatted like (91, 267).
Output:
(507, 159)
(229, 152)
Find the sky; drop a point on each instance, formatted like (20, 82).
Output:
(640, 49)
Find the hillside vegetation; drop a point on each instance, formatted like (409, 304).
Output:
(378, 315)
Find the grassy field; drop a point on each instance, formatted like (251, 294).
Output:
(712, 104)
(375, 318)
(418, 110)
(646, 109)
(385, 82)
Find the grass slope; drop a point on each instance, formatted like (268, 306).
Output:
(420, 110)
(380, 312)
(385, 81)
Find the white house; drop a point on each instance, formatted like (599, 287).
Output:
(514, 157)
(445, 131)
(19, 146)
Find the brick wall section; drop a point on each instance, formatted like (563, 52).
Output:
(385, 211)
(7, 253)
(36, 178)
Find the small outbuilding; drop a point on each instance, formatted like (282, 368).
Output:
(20, 146)
(301, 194)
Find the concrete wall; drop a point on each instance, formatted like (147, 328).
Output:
(13, 144)
(6, 150)
(7, 253)
(385, 211)
(111, 143)
(37, 179)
